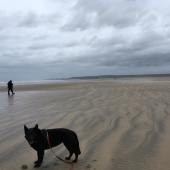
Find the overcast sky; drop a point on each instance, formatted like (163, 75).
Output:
(42, 39)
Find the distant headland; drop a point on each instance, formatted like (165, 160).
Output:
(119, 76)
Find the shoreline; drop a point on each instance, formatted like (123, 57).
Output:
(59, 84)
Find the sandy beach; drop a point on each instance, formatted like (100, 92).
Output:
(121, 124)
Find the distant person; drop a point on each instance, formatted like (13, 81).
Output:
(10, 87)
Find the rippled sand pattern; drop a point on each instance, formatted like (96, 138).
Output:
(121, 126)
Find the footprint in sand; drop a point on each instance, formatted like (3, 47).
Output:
(46, 166)
(94, 160)
(24, 167)
(55, 164)
(88, 166)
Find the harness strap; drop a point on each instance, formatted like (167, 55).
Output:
(48, 140)
(49, 143)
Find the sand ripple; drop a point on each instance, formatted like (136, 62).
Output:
(121, 126)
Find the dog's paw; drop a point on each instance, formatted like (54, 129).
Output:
(37, 165)
(74, 161)
(67, 158)
(36, 162)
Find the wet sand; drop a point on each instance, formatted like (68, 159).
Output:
(122, 125)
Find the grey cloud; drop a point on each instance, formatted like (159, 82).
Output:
(153, 60)
(42, 46)
(118, 13)
(30, 20)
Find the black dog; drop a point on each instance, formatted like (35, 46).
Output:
(41, 140)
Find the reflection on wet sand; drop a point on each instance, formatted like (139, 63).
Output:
(10, 100)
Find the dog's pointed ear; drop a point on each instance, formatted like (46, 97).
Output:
(36, 126)
(25, 128)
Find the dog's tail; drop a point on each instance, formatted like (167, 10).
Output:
(79, 152)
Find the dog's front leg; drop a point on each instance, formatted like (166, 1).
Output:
(40, 154)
